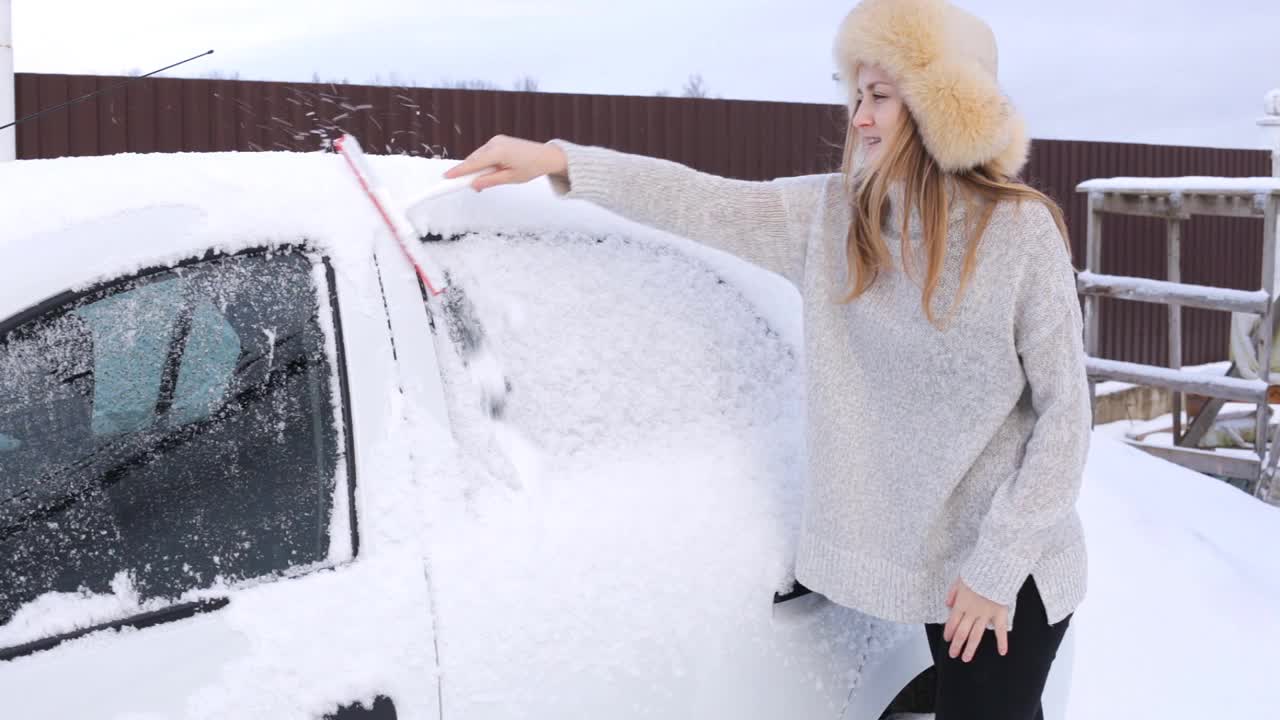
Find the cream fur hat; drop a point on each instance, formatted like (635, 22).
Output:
(945, 63)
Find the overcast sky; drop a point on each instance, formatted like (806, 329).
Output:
(1189, 72)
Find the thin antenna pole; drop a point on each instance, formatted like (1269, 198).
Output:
(82, 98)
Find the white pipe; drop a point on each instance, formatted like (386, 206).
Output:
(8, 137)
(1270, 123)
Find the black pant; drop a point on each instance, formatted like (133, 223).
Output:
(991, 687)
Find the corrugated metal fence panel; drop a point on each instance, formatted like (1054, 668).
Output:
(1225, 252)
(747, 139)
(737, 138)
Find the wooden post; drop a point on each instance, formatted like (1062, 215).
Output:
(1173, 248)
(1093, 263)
(1204, 419)
(1262, 342)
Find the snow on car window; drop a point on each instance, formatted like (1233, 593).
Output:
(178, 427)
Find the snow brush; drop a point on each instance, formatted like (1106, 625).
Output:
(465, 330)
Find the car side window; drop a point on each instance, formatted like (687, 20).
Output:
(179, 427)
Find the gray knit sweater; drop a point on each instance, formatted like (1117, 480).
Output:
(933, 454)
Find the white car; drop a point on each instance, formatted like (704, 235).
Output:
(246, 470)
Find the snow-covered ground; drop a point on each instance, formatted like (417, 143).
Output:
(1182, 620)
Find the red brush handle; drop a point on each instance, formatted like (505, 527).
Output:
(386, 216)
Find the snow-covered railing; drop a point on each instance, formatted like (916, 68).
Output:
(1227, 388)
(1179, 198)
(1189, 185)
(1162, 291)
(1176, 200)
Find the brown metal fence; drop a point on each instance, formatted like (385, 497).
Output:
(729, 137)
(735, 138)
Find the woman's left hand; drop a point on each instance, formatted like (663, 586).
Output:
(970, 615)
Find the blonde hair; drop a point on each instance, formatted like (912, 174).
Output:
(926, 188)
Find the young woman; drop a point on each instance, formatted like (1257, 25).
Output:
(948, 404)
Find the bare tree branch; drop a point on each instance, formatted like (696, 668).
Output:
(695, 87)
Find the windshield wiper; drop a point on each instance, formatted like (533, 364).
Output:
(181, 611)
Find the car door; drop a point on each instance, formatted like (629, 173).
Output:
(584, 602)
(182, 528)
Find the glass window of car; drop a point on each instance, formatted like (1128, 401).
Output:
(179, 427)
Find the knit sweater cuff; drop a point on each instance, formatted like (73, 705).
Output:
(587, 173)
(995, 573)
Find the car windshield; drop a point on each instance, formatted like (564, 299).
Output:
(178, 427)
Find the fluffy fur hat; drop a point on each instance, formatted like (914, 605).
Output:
(944, 60)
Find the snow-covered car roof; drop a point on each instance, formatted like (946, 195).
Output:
(171, 206)
(54, 212)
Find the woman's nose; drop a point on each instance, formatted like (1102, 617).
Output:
(862, 117)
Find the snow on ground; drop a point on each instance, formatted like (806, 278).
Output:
(1231, 434)
(1182, 620)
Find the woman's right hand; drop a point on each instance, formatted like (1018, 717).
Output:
(512, 160)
